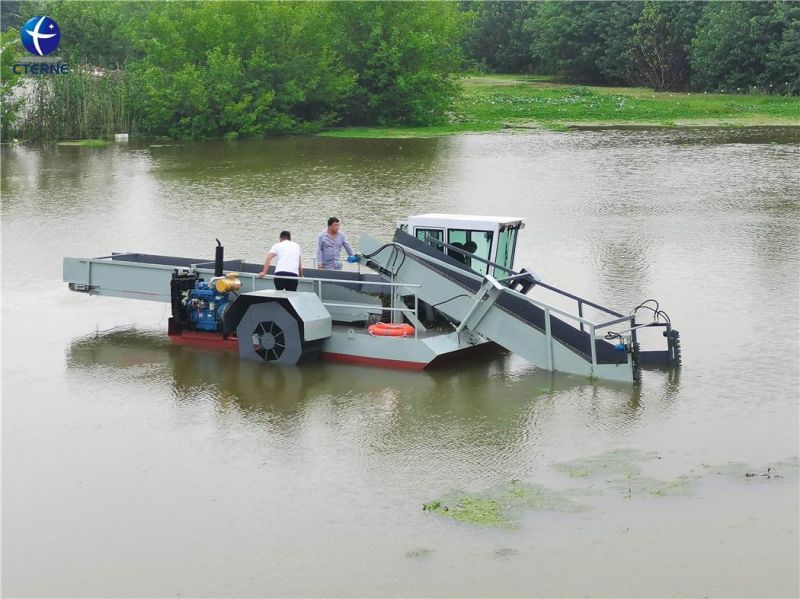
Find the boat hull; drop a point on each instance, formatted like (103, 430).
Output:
(354, 346)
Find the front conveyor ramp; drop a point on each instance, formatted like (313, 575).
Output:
(514, 321)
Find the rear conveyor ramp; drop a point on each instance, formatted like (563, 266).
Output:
(540, 333)
(147, 277)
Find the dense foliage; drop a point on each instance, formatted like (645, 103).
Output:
(211, 68)
(10, 102)
(731, 46)
(196, 69)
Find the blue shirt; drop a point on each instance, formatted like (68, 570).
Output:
(329, 249)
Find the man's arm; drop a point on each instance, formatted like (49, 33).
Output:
(346, 245)
(267, 262)
(319, 252)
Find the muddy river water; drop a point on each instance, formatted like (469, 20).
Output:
(134, 468)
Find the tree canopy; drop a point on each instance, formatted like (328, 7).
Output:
(188, 68)
(667, 45)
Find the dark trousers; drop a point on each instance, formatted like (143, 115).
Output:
(286, 284)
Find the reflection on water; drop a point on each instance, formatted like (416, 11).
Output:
(505, 396)
(132, 464)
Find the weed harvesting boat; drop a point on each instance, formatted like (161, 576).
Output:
(442, 287)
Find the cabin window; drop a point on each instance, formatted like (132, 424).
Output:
(423, 234)
(506, 244)
(478, 243)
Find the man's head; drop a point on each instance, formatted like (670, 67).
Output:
(333, 225)
(286, 236)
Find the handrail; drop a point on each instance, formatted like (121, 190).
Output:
(514, 274)
(545, 306)
(322, 280)
(479, 277)
(579, 299)
(637, 327)
(383, 308)
(612, 322)
(392, 308)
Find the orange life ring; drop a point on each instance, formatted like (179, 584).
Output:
(386, 329)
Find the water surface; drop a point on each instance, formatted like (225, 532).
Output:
(131, 467)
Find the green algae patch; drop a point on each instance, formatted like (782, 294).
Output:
(85, 143)
(726, 469)
(787, 466)
(644, 486)
(537, 497)
(419, 553)
(773, 470)
(623, 462)
(473, 510)
(502, 505)
(411, 132)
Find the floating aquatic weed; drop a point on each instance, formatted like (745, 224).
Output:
(475, 510)
(787, 466)
(729, 468)
(773, 470)
(478, 510)
(506, 552)
(617, 461)
(769, 473)
(502, 504)
(643, 486)
(523, 495)
(419, 553)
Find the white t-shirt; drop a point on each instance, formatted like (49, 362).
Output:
(288, 254)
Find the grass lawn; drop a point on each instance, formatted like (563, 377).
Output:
(494, 102)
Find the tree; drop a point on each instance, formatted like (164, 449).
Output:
(660, 41)
(731, 44)
(584, 41)
(404, 56)
(497, 38)
(279, 74)
(782, 59)
(10, 82)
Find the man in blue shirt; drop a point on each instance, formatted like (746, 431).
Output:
(329, 246)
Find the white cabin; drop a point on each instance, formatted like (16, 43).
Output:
(492, 238)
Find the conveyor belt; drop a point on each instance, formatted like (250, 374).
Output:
(516, 306)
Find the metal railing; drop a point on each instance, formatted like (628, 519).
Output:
(317, 283)
(583, 323)
(518, 275)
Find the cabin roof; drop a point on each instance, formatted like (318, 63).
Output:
(482, 218)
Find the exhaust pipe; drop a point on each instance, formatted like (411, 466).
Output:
(218, 259)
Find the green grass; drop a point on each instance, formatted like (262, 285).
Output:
(494, 102)
(85, 143)
(408, 132)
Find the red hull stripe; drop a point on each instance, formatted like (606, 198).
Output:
(206, 341)
(217, 342)
(368, 361)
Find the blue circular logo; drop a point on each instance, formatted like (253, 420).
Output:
(40, 35)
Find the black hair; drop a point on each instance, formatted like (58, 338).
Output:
(286, 235)
(332, 220)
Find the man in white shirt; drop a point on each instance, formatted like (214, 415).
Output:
(289, 264)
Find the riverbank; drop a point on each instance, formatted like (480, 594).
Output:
(496, 102)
